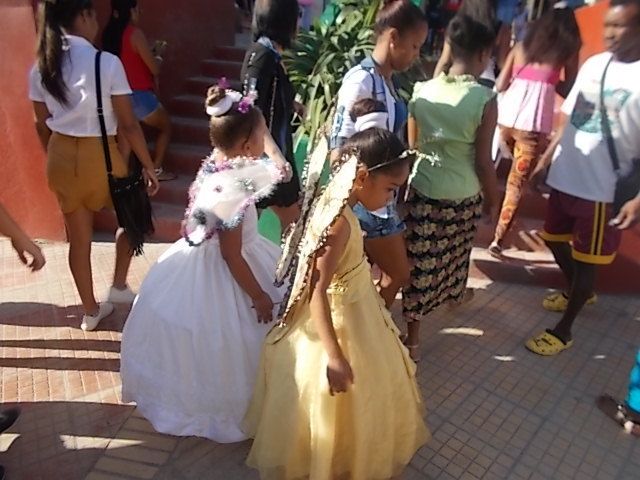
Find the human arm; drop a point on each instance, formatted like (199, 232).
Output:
(41, 114)
(231, 250)
(412, 132)
(483, 164)
(339, 372)
(547, 156)
(444, 62)
(272, 150)
(129, 127)
(629, 214)
(142, 48)
(21, 243)
(570, 74)
(503, 44)
(506, 74)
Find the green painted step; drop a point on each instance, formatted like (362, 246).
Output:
(269, 226)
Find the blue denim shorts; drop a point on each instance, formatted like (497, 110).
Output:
(144, 103)
(377, 227)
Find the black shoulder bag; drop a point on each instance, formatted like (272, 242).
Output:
(628, 185)
(129, 194)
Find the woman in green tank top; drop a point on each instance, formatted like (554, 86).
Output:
(452, 120)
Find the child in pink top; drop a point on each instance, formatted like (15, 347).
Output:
(530, 80)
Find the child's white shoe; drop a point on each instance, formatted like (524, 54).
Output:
(121, 296)
(90, 322)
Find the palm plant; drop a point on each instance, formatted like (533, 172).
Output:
(321, 57)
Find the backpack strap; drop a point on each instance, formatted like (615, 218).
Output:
(605, 124)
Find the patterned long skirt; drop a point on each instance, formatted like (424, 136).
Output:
(439, 239)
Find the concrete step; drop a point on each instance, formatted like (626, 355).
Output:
(521, 236)
(167, 219)
(185, 159)
(517, 266)
(539, 268)
(198, 85)
(222, 68)
(188, 105)
(232, 54)
(175, 192)
(190, 130)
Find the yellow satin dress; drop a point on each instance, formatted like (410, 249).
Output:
(372, 431)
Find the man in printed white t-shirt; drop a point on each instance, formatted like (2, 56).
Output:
(581, 228)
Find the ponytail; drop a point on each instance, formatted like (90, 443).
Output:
(118, 22)
(401, 15)
(54, 15)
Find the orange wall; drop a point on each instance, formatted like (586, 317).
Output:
(591, 22)
(192, 29)
(23, 187)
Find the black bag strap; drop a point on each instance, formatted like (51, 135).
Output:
(606, 125)
(103, 126)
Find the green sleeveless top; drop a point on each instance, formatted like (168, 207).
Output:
(448, 111)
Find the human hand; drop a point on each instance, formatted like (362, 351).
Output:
(286, 171)
(151, 180)
(339, 374)
(629, 215)
(25, 248)
(538, 176)
(300, 109)
(264, 308)
(159, 47)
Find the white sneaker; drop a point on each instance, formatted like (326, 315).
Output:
(121, 296)
(90, 322)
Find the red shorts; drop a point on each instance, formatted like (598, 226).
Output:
(585, 224)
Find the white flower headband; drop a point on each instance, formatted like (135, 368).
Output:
(372, 120)
(231, 98)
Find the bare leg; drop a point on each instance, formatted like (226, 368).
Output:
(161, 121)
(390, 255)
(80, 231)
(123, 260)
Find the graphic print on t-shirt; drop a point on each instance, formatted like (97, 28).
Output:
(586, 113)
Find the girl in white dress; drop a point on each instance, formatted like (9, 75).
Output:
(192, 342)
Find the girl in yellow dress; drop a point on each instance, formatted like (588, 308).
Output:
(336, 395)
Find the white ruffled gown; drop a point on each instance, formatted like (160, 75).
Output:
(191, 345)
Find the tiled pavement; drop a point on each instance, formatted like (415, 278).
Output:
(496, 411)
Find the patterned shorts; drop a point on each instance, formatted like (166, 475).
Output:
(439, 237)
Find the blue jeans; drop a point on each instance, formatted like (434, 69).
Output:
(377, 227)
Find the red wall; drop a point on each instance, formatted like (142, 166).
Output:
(192, 28)
(23, 187)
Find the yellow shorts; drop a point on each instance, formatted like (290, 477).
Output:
(77, 173)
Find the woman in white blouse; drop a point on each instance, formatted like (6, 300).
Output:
(63, 91)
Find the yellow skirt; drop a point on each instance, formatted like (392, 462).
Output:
(369, 433)
(77, 173)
